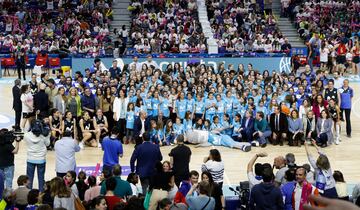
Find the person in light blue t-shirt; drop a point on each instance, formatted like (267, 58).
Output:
(181, 106)
(188, 122)
(155, 105)
(130, 119)
(199, 109)
(210, 105)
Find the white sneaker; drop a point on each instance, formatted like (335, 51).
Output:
(81, 145)
(99, 145)
(337, 141)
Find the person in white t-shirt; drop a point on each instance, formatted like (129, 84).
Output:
(256, 178)
(183, 47)
(324, 55)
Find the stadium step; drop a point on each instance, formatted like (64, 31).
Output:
(121, 16)
(286, 27)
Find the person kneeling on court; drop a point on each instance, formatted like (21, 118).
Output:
(262, 130)
(279, 126)
(89, 133)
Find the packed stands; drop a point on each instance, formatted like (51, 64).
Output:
(242, 26)
(166, 26)
(53, 26)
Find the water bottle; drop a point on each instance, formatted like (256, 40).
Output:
(321, 181)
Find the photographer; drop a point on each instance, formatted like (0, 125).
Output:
(37, 140)
(7, 151)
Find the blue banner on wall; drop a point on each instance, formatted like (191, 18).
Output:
(278, 64)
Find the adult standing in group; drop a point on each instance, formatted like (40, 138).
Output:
(280, 164)
(7, 152)
(120, 107)
(146, 155)
(112, 148)
(88, 102)
(114, 70)
(122, 188)
(41, 102)
(27, 105)
(346, 95)
(65, 150)
(140, 127)
(215, 166)
(279, 126)
(180, 159)
(37, 145)
(16, 92)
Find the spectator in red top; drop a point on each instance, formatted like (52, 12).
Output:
(110, 197)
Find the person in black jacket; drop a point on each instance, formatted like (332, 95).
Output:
(17, 103)
(20, 62)
(279, 126)
(41, 102)
(265, 195)
(141, 125)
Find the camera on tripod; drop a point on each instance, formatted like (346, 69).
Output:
(8, 137)
(243, 190)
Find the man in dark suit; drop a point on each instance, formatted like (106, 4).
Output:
(140, 127)
(279, 126)
(17, 103)
(146, 156)
(247, 126)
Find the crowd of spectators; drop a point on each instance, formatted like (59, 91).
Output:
(331, 30)
(166, 26)
(235, 107)
(243, 26)
(55, 26)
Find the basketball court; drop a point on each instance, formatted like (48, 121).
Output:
(344, 157)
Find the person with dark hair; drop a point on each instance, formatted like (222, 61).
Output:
(21, 193)
(164, 204)
(203, 201)
(265, 195)
(180, 159)
(17, 106)
(88, 102)
(324, 127)
(81, 184)
(70, 180)
(146, 155)
(113, 149)
(46, 194)
(216, 191)
(65, 150)
(93, 191)
(100, 203)
(123, 188)
(160, 185)
(133, 179)
(20, 55)
(46, 207)
(287, 188)
(2, 183)
(51, 90)
(110, 197)
(256, 178)
(215, 166)
(279, 126)
(180, 196)
(120, 108)
(140, 126)
(262, 130)
(302, 190)
(7, 202)
(33, 199)
(341, 186)
(27, 105)
(37, 145)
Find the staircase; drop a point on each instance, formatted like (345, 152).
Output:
(121, 15)
(286, 27)
(205, 24)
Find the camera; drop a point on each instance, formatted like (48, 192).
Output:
(38, 128)
(8, 137)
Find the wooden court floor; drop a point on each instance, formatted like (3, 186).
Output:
(344, 157)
